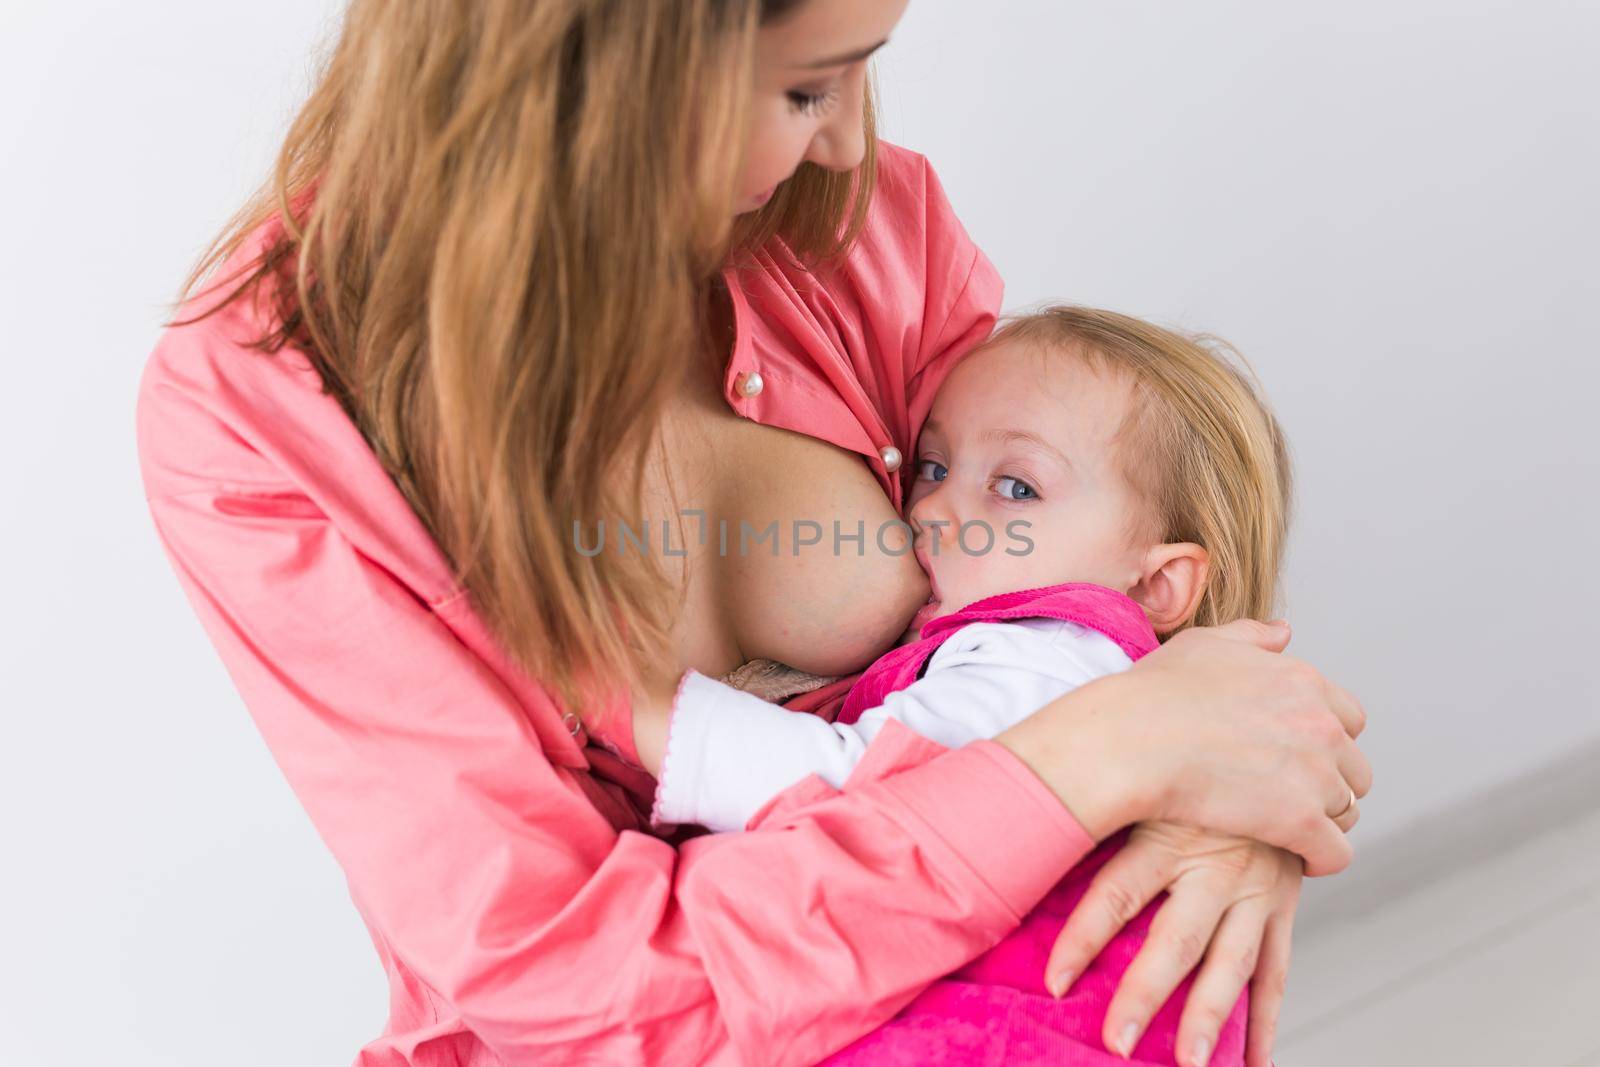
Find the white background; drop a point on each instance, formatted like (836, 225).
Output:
(1388, 205)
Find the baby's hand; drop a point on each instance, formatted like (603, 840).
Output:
(1230, 907)
(773, 681)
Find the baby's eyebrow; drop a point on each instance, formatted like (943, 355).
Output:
(1026, 437)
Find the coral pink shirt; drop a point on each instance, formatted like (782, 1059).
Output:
(502, 861)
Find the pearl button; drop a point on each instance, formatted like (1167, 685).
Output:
(891, 457)
(751, 384)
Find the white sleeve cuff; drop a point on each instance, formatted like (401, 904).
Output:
(683, 756)
(727, 753)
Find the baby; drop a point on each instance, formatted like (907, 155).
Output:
(1086, 485)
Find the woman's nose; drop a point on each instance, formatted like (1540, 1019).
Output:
(838, 150)
(841, 143)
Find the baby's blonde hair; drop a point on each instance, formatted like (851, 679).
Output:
(1199, 446)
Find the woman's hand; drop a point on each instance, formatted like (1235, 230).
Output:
(1217, 729)
(1229, 911)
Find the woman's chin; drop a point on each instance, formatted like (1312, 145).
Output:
(755, 202)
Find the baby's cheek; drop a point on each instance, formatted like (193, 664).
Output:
(1018, 561)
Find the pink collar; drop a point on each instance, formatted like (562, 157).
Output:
(1094, 606)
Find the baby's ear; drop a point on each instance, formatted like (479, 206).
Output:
(1170, 588)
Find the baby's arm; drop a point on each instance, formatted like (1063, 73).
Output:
(728, 752)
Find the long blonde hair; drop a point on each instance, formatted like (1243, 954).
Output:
(1199, 446)
(495, 230)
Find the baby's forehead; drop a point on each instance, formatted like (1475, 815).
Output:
(1045, 364)
(1063, 395)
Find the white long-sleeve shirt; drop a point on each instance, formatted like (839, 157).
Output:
(729, 752)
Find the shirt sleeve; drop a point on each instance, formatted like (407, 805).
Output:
(964, 294)
(553, 936)
(729, 753)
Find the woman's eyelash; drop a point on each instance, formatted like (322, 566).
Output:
(811, 103)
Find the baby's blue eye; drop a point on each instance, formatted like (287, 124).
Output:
(1024, 491)
(931, 470)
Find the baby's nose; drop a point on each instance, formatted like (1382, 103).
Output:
(934, 506)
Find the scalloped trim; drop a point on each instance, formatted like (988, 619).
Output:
(666, 752)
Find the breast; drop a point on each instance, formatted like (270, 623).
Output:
(751, 591)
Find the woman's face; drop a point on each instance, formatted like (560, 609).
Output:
(811, 71)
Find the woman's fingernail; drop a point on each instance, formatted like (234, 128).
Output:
(1059, 984)
(1202, 1052)
(1130, 1037)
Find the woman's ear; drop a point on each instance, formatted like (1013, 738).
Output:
(1171, 584)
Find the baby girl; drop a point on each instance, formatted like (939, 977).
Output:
(1086, 485)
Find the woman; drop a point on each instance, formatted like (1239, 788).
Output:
(529, 265)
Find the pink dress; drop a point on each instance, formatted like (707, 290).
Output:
(995, 1009)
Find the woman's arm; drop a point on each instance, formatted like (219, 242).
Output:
(497, 882)
(1216, 728)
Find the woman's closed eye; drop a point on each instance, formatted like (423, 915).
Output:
(809, 102)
